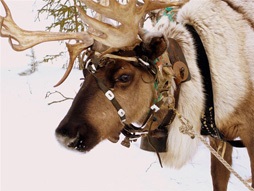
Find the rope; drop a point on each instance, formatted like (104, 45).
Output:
(186, 128)
(224, 162)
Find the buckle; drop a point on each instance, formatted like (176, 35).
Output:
(110, 95)
(155, 108)
(121, 112)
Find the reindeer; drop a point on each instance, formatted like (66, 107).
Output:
(194, 73)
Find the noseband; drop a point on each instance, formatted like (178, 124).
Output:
(171, 64)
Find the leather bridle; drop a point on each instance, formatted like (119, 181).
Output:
(93, 64)
(176, 62)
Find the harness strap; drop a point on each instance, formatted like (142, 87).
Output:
(178, 61)
(182, 74)
(156, 140)
(111, 97)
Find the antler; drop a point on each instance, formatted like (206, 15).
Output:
(26, 39)
(129, 15)
(123, 36)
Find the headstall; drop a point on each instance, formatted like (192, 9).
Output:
(170, 65)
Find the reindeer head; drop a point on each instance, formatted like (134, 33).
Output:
(118, 85)
(118, 89)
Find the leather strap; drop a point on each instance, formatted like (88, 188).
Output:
(156, 140)
(178, 62)
(182, 74)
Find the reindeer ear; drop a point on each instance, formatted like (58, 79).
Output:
(152, 46)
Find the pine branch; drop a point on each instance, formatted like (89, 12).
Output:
(65, 19)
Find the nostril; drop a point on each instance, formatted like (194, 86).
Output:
(67, 129)
(63, 131)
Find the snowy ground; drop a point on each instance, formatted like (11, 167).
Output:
(32, 160)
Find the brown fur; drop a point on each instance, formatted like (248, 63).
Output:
(239, 124)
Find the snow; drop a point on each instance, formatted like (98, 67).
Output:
(32, 159)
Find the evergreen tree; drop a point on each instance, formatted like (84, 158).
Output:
(64, 13)
(33, 66)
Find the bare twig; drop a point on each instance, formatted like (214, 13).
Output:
(64, 97)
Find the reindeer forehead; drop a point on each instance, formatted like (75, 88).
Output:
(116, 61)
(97, 61)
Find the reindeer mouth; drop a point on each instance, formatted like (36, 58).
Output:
(82, 141)
(78, 144)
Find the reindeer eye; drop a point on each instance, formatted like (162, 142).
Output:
(124, 78)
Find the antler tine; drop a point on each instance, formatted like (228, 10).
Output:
(7, 10)
(108, 34)
(111, 11)
(74, 50)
